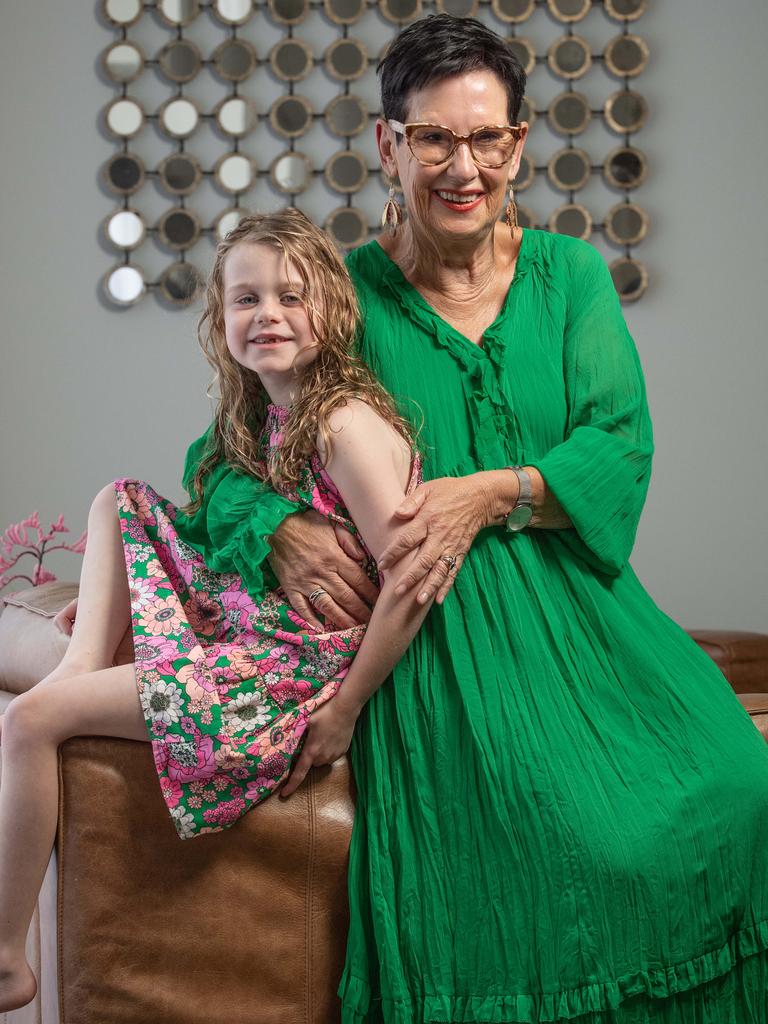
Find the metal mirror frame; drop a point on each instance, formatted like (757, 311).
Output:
(569, 19)
(586, 161)
(162, 228)
(346, 154)
(185, 19)
(513, 19)
(175, 44)
(615, 125)
(349, 211)
(336, 102)
(639, 267)
(612, 12)
(613, 181)
(128, 44)
(613, 235)
(555, 68)
(127, 101)
(251, 120)
(227, 44)
(396, 19)
(188, 269)
(552, 222)
(562, 97)
(274, 111)
(332, 49)
(217, 173)
(281, 19)
(337, 19)
(125, 22)
(524, 43)
(163, 176)
(283, 44)
(120, 211)
(309, 175)
(162, 113)
(610, 62)
(122, 267)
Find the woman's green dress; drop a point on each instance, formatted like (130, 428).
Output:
(562, 806)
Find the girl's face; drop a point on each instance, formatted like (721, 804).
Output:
(265, 321)
(462, 103)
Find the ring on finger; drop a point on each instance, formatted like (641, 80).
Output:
(450, 561)
(316, 594)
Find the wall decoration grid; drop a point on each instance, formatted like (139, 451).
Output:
(230, 105)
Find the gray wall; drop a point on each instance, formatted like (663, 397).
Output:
(89, 394)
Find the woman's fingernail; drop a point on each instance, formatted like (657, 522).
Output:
(400, 589)
(423, 596)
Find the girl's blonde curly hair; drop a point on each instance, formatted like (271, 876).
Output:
(336, 375)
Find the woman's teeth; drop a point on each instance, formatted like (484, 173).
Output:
(456, 197)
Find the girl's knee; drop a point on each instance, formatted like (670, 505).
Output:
(30, 718)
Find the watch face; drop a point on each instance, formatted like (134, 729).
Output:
(519, 517)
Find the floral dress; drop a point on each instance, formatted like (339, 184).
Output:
(228, 675)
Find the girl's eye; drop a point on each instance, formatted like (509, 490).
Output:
(246, 300)
(292, 298)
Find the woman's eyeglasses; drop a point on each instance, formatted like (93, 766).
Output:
(431, 144)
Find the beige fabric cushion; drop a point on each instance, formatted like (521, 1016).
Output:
(22, 633)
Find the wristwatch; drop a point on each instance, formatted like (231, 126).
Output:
(522, 513)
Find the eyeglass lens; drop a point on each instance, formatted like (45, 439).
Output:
(490, 147)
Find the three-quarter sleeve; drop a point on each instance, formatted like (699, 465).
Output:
(601, 470)
(233, 526)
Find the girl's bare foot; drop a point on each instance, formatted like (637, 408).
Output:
(17, 985)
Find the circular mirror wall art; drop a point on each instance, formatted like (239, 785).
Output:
(569, 10)
(513, 11)
(346, 59)
(178, 13)
(344, 12)
(179, 117)
(347, 226)
(630, 278)
(291, 116)
(346, 116)
(569, 169)
(180, 60)
(346, 171)
(122, 12)
(122, 62)
(569, 57)
(234, 60)
(625, 167)
(180, 283)
(626, 224)
(625, 111)
(124, 285)
(571, 219)
(179, 174)
(289, 12)
(125, 117)
(626, 56)
(218, 94)
(125, 229)
(124, 174)
(232, 12)
(236, 116)
(625, 10)
(227, 221)
(235, 172)
(569, 113)
(291, 59)
(179, 228)
(291, 173)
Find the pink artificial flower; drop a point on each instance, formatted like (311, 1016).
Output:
(58, 526)
(33, 521)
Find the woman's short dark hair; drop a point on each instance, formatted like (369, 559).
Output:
(439, 47)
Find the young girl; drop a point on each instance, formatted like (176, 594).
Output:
(226, 673)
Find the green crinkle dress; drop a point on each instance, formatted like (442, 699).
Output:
(562, 806)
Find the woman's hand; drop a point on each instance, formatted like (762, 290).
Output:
(445, 517)
(328, 737)
(308, 555)
(65, 619)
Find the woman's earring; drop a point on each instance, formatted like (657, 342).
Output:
(392, 217)
(511, 215)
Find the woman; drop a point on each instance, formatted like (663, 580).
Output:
(561, 803)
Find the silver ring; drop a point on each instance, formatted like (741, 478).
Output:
(316, 594)
(450, 561)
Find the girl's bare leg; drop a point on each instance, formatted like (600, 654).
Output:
(103, 703)
(103, 606)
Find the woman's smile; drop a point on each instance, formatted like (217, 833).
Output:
(461, 202)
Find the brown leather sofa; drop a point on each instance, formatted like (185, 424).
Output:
(244, 927)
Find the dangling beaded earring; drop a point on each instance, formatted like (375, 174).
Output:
(392, 217)
(511, 214)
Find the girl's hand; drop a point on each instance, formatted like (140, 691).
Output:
(445, 517)
(307, 555)
(328, 737)
(65, 619)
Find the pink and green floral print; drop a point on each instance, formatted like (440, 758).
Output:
(227, 686)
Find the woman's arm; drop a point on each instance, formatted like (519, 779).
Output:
(370, 466)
